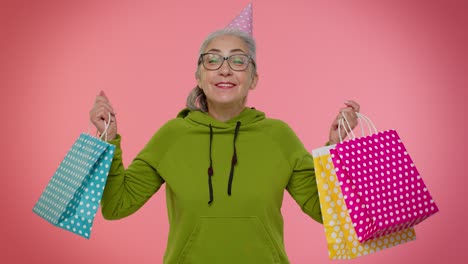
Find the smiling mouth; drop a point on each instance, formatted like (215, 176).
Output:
(225, 85)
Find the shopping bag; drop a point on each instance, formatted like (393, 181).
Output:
(72, 196)
(382, 188)
(341, 238)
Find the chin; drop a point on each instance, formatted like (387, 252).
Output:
(226, 101)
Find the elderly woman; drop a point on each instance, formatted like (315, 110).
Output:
(225, 165)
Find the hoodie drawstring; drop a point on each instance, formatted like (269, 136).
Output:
(233, 163)
(234, 158)
(210, 169)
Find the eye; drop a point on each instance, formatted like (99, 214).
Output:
(212, 59)
(239, 60)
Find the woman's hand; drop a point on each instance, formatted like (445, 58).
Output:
(100, 113)
(350, 112)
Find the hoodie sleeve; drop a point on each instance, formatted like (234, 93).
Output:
(129, 189)
(303, 187)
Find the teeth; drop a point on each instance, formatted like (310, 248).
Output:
(225, 85)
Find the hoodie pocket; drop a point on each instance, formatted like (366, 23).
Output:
(229, 240)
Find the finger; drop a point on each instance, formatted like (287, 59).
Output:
(352, 118)
(349, 108)
(105, 116)
(100, 113)
(348, 111)
(335, 122)
(99, 124)
(100, 104)
(102, 99)
(343, 126)
(355, 106)
(341, 129)
(103, 94)
(108, 108)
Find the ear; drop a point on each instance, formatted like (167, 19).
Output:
(254, 82)
(198, 82)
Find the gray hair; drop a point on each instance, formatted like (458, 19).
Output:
(196, 100)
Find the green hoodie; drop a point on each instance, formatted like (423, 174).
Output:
(232, 216)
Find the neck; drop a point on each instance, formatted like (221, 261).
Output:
(224, 113)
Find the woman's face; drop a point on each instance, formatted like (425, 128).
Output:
(225, 87)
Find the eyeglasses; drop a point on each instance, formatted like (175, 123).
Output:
(213, 61)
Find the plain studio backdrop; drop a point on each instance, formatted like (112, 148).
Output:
(405, 62)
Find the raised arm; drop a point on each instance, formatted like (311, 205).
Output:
(129, 189)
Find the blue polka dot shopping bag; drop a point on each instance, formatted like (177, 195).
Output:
(72, 196)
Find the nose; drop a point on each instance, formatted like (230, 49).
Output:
(225, 70)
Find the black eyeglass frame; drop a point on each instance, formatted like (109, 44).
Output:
(200, 61)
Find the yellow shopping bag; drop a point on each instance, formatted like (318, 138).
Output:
(342, 240)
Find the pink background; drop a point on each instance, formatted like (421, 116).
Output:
(405, 62)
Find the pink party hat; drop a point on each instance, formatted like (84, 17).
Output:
(243, 21)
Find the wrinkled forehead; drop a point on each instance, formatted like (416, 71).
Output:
(226, 45)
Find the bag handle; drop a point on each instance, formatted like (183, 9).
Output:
(347, 127)
(370, 126)
(106, 127)
(341, 124)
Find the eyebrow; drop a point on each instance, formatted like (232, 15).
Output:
(234, 50)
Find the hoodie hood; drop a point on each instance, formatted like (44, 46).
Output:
(246, 117)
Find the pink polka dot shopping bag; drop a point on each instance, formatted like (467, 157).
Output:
(382, 188)
(341, 238)
(72, 196)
